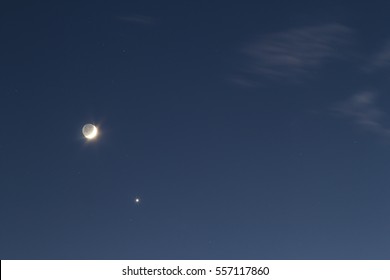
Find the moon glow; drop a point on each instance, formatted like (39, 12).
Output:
(90, 131)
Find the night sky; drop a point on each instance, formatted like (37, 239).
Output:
(247, 129)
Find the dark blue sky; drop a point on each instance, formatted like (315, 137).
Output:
(249, 129)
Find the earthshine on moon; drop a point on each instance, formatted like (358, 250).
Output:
(90, 131)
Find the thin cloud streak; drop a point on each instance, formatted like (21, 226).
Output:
(295, 52)
(381, 59)
(363, 110)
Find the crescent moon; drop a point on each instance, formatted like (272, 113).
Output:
(90, 131)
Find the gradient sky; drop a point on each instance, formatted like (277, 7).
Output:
(249, 129)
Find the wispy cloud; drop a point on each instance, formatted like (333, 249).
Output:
(364, 111)
(380, 59)
(296, 51)
(139, 19)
